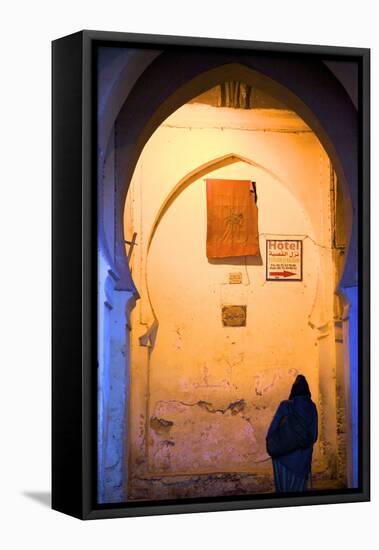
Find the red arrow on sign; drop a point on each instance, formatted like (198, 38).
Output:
(281, 273)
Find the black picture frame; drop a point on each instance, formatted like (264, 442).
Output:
(74, 332)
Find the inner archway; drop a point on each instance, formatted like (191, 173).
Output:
(226, 385)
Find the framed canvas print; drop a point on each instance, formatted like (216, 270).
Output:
(210, 274)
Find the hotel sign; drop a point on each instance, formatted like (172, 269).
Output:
(284, 260)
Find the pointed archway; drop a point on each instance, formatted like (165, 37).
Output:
(170, 81)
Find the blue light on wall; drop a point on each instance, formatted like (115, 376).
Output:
(352, 295)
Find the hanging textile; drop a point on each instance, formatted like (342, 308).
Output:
(232, 218)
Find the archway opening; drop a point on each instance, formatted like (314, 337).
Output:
(221, 392)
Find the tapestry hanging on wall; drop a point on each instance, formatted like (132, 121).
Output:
(232, 219)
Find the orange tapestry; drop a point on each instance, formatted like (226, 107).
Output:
(232, 219)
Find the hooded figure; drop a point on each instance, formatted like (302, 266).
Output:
(291, 436)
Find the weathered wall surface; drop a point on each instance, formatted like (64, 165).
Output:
(202, 395)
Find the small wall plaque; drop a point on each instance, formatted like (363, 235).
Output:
(235, 278)
(234, 316)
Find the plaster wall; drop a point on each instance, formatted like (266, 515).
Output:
(202, 395)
